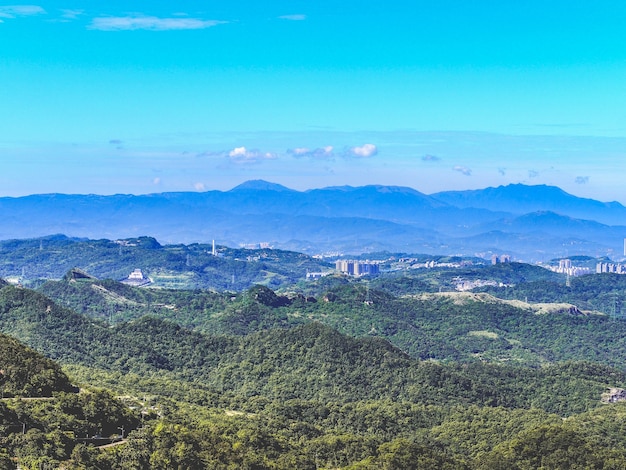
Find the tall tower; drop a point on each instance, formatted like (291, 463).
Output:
(213, 250)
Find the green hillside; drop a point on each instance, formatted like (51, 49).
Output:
(438, 326)
(42, 416)
(352, 378)
(26, 373)
(274, 363)
(178, 266)
(602, 292)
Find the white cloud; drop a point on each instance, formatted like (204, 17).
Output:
(431, 158)
(199, 187)
(156, 181)
(243, 155)
(463, 170)
(13, 11)
(293, 17)
(318, 153)
(364, 151)
(151, 23)
(71, 14)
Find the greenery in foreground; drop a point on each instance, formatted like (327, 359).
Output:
(272, 381)
(466, 416)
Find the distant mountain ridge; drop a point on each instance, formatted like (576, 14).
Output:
(521, 199)
(344, 219)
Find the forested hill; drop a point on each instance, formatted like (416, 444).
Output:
(310, 361)
(304, 395)
(176, 266)
(43, 417)
(446, 326)
(601, 292)
(26, 373)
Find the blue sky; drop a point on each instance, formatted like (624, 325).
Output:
(129, 97)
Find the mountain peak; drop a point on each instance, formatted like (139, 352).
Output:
(260, 185)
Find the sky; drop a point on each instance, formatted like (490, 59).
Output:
(142, 97)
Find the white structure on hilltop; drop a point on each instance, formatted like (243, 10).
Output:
(136, 278)
(316, 275)
(136, 275)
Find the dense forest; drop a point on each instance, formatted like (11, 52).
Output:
(440, 326)
(397, 372)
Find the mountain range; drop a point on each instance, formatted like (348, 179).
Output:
(528, 222)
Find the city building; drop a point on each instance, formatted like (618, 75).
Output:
(566, 267)
(357, 268)
(616, 268)
(495, 259)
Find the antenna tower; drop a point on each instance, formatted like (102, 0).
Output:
(368, 301)
(614, 311)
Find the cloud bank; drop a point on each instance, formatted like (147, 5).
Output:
(463, 170)
(13, 11)
(71, 14)
(364, 151)
(321, 153)
(242, 155)
(150, 23)
(293, 17)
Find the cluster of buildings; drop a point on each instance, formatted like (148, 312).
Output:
(256, 246)
(497, 259)
(414, 263)
(328, 254)
(566, 267)
(611, 268)
(357, 268)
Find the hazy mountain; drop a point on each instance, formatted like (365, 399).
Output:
(347, 219)
(520, 199)
(261, 185)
